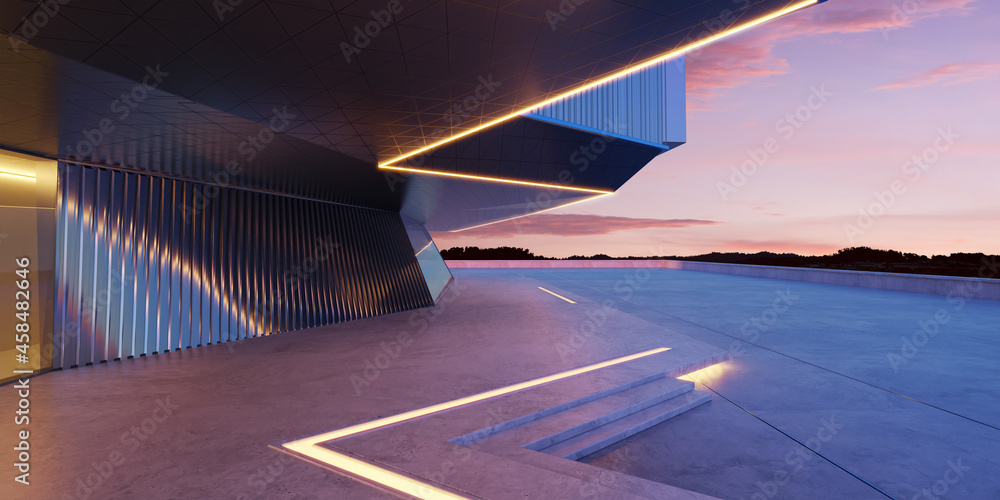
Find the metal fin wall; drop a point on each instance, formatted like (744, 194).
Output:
(149, 264)
(648, 105)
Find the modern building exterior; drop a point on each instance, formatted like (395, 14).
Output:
(180, 174)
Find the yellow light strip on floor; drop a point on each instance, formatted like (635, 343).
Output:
(371, 472)
(532, 213)
(495, 179)
(627, 71)
(311, 446)
(708, 372)
(557, 295)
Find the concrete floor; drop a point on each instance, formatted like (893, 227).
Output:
(820, 364)
(812, 369)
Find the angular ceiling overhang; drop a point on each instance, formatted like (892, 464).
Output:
(201, 84)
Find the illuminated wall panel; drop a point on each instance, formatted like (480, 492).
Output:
(149, 264)
(27, 234)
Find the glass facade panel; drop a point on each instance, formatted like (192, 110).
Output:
(435, 271)
(27, 260)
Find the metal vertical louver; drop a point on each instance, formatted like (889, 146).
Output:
(648, 105)
(149, 264)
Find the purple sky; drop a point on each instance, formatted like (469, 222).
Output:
(902, 79)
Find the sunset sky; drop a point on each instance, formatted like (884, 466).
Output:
(898, 79)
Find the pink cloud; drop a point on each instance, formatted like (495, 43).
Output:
(750, 56)
(576, 225)
(728, 65)
(949, 74)
(858, 16)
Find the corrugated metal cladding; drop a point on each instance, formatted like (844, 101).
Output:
(146, 265)
(647, 105)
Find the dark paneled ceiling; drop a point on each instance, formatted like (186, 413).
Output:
(381, 93)
(426, 70)
(59, 108)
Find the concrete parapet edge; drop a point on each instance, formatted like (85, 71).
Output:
(976, 288)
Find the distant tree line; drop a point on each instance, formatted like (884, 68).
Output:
(499, 253)
(854, 258)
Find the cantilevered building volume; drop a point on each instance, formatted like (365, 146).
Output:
(179, 174)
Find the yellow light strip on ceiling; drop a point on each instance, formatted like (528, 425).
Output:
(627, 71)
(428, 245)
(19, 176)
(532, 213)
(312, 446)
(557, 295)
(496, 179)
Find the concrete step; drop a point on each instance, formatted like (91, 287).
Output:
(612, 432)
(566, 424)
(496, 429)
(524, 407)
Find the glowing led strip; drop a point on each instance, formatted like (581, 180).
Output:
(496, 179)
(428, 245)
(525, 215)
(18, 176)
(311, 446)
(695, 375)
(371, 472)
(627, 71)
(557, 295)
